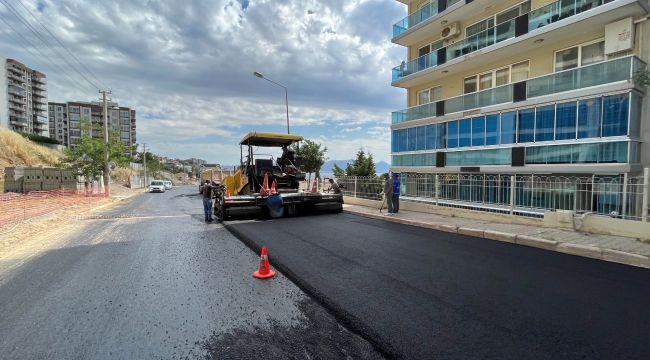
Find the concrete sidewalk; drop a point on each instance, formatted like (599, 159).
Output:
(618, 249)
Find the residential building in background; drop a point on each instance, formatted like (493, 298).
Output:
(66, 121)
(498, 89)
(23, 100)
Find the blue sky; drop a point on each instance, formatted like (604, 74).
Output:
(187, 67)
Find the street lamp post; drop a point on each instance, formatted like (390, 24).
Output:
(286, 94)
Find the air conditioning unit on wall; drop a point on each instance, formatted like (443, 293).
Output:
(450, 31)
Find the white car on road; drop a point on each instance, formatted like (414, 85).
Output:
(157, 186)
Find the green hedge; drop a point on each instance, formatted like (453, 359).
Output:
(39, 138)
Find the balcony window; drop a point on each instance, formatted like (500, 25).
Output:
(485, 81)
(411, 139)
(566, 121)
(394, 141)
(580, 55)
(452, 134)
(502, 76)
(497, 77)
(465, 132)
(420, 138)
(592, 53)
(525, 125)
(423, 96)
(431, 137)
(520, 71)
(545, 123)
(469, 85)
(499, 18)
(478, 131)
(615, 115)
(492, 129)
(399, 140)
(508, 127)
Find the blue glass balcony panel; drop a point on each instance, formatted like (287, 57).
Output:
(591, 75)
(418, 16)
(589, 118)
(536, 19)
(559, 10)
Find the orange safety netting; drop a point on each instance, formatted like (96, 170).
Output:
(17, 207)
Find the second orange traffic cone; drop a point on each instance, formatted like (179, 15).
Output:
(265, 185)
(273, 189)
(314, 188)
(264, 272)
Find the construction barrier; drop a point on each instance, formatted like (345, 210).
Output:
(19, 207)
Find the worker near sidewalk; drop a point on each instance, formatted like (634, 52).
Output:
(396, 191)
(206, 191)
(334, 186)
(388, 193)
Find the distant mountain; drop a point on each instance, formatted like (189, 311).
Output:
(381, 167)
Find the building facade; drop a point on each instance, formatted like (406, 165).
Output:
(24, 98)
(66, 121)
(522, 88)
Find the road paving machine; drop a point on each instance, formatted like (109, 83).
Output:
(270, 185)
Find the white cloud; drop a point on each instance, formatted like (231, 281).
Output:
(186, 67)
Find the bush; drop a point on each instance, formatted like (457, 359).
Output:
(39, 138)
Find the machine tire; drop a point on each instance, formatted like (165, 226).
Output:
(220, 205)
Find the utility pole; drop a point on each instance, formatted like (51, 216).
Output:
(144, 160)
(107, 189)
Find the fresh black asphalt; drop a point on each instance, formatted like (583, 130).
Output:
(149, 279)
(418, 293)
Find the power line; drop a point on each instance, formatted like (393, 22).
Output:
(47, 58)
(14, 12)
(60, 43)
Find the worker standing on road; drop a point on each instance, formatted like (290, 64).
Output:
(207, 200)
(388, 193)
(396, 190)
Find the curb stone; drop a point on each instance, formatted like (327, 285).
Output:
(499, 236)
(536, 242)
(626, 258)
(588, 251)
(580, 250)
(472, 232)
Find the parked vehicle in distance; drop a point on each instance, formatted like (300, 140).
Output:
(168, 184)
(157, 186)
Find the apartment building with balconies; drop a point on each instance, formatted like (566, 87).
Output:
(66, 121)
(522, 87)
(24, 98)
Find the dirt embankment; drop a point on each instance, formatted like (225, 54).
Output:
(15, 150)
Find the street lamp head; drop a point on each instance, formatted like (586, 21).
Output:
(259, 75)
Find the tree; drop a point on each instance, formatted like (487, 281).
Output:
(312, 156)
(338, 172)
(154, 167)
(87, 157)
(361, 166)
(118, 151)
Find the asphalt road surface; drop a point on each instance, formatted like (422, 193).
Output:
(417, 293)
(149, 279)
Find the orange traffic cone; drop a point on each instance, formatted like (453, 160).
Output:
(227, 193)
(265, 185)
(264, 272)
(273, 190)
(314, 188)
